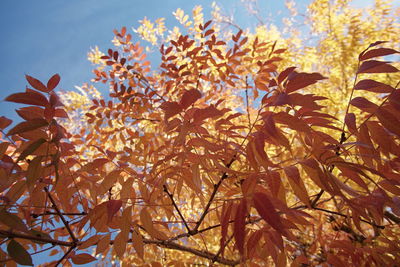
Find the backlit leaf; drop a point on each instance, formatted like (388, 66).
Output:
(189, 97)
(378, 52)
(29, 98)
(375, 66)
(82, 258)
(239, 225)
(26, 126)
(18, 253)
(267, 211)
(373, 86)
(113, 207)
(53, 82)
(35, 83)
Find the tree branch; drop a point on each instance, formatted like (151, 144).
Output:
(176, 207)
(13, 234)
(61, 216)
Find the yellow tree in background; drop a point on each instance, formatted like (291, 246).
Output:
(256, 147)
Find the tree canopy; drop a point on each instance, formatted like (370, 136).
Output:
(259, 147)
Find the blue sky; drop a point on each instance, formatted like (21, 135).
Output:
(44, 37)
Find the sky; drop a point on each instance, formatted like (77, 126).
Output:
(42, 37)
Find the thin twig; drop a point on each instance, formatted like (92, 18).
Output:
(176, 207)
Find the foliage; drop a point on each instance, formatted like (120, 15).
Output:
(244, 147)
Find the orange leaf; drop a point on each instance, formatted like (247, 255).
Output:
(225, 216)
(137, 242)
(267, 211)
(53, 82)
(189, 97)
(239, 225)
(30, 98)
(297, 184)
(35, 83)
(113, 207)
(375, 66)
(82, 258)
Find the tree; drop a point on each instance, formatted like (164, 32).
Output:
(226, 154)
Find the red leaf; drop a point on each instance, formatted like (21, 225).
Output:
(35, 83)
(364, 104)
(267, 211)
(350, 121)
(189, 97)
(296, 81)
(205, 113)
(378, 52)
(297, 184)
(373, 86)
(282, 76)
(4, 122)
(26, 126)
(30, 98)
(113, 207)
(82, 258)
(53, 82)
(225, 216)
(389, 121)
(375, 66)
(239, 225)
(171, 109)
(30, 113)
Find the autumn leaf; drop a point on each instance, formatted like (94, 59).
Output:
(239, 225)
(53, 82)
(26, 126)
(375, 66)
(35, 83)
(30, 98)
(113, 206)
(189, 97)
(267, 211)
(18, 253)
(378, 52)
(82, 258)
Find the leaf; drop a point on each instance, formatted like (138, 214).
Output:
(364, 104)
(145, 219)
(389, 121)
(12, 221)
(35, 83)
(41, 235)
(170, 109)
(189, 97)
(205, 113)
(119, 245)
(225, 216)
(4, 122)
(29, 98)
(137, 242)
(103, 244)
(26, 126)
(239, 225)
(113, 207)
(378, 52)
(375, 66)
(53, 82)
(18, 253)
(267, 211)
(284, 74)
(82, 258)
(34, 172)
(297, 184)
(373, 86)
(90, 241)
(296, 81)
(31, 148)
